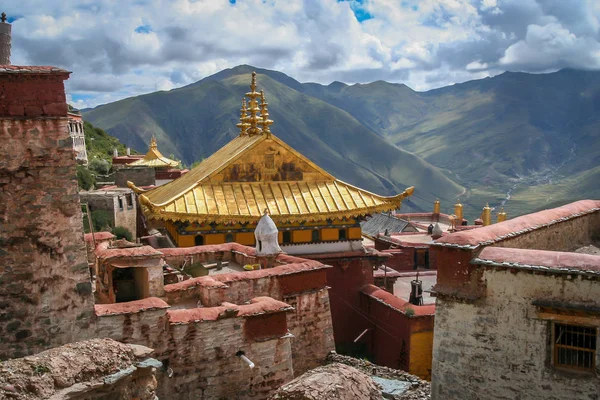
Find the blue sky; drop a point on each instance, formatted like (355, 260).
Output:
(121, 49)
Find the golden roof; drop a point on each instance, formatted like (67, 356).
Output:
(154, 158)
(257, 171)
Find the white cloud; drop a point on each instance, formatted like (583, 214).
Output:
(423, 43)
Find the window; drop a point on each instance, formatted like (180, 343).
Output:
(229, 238)
(120, 204)
(129, 199)
(575, 347)
(315, 236)
(287, 237)
(342, 234)
(199, 240)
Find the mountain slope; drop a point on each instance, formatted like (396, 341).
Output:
(194, 121)
(491, 134)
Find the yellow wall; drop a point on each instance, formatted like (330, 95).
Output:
(245, 238)
(214, 238)
(330, 234)
(186, 241)
(421, 353)
(354, 233)
(301, 236)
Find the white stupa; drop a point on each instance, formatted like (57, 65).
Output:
(266, 234)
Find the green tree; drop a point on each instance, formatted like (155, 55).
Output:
(122, 233)
(100, 167)
(85, 179)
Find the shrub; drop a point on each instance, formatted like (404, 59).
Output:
(85, 179)
(122, 233)
(101, 167)
(102, 220)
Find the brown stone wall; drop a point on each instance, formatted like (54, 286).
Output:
(139, 176)
(146, 327)
(45, 290)
(499, 347)
(205, 365)
(311, 325)
(31, 95)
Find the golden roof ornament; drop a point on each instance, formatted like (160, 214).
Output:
(153, 143)
(243, 124)
(253, 108)
(266, 122)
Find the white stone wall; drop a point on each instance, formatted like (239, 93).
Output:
(497, 348)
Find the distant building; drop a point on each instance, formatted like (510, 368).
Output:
(77, 133)
(518, 308)
(119, 203)
(165, 169)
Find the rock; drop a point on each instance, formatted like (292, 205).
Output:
(333, 381)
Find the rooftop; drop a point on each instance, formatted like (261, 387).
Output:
(513, 227)
(553, 262)
(19, 69)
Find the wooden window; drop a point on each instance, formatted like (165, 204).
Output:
(342, 234)
(129, 198)
(120, 203)
(315, 236)
(287, 237)
(199, 240)
(575, 346)
(229, 238)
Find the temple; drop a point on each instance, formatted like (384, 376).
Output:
(222, 199)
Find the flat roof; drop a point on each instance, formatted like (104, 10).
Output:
(402, 286)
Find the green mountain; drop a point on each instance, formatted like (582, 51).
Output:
(194, 121)
(517, 140)
(535, 136)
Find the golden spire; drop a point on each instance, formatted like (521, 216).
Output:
(458, 211)
(436, 206)
(243, 125)
(153, 143)
(486, 215)
(253, 107)
(501, 215)
(266, 122)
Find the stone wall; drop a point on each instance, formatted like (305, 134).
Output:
(310, 323)
(108, 200)
(500, 346)
(204, 362)
(45, 289)
(140, 176)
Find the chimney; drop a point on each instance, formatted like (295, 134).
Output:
(128, 151)
(5, 29)
(416, 292)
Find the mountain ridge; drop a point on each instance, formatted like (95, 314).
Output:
(486, 135)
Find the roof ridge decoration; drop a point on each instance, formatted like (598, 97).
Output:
(154, 158)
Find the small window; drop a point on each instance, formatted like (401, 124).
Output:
(129, 199)
(287, 237)
(120, 203)
(270, 161)
(199, 240)
(315, 236)
(229, 238)
(575, 347)
(342, 234)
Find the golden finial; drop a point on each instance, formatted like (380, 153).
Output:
(501, 215)
(243, 124)
(436, 206)
(266, 122)
(486, 215)
(253, 107)
(153, 143)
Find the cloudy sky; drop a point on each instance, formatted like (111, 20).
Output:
(118, 49)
